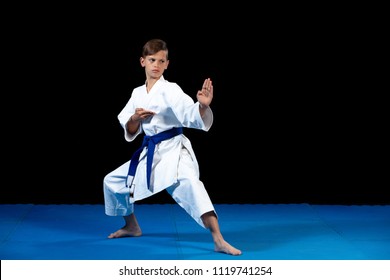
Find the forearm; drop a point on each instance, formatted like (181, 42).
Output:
(132, 125)
(202, 109)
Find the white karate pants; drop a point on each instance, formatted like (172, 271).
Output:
(189, 192)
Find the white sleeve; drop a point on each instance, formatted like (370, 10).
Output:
(124, 117)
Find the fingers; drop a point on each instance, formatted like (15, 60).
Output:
(207, 88)
(207, 84)
(143, 111)
(143, 114)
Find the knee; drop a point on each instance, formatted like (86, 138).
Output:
(109, 184)
(114, 185)
(106, 181)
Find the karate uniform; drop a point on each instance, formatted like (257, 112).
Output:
(175, 167)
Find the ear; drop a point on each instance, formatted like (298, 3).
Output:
(166, 66)
(142, 61)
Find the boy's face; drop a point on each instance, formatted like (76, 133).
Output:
(155, 64)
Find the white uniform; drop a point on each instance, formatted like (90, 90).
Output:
(175, 167)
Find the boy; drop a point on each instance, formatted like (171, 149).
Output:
(166, 159)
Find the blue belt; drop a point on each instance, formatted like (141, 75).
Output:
(150, 142)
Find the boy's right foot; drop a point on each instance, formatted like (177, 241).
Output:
(123, 232)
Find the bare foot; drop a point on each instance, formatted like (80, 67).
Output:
(226, 248)
(124, 232)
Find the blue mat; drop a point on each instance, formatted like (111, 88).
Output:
(261, 231)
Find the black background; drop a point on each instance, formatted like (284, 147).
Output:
(299, 117)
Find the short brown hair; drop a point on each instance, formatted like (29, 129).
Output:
(154, 46)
